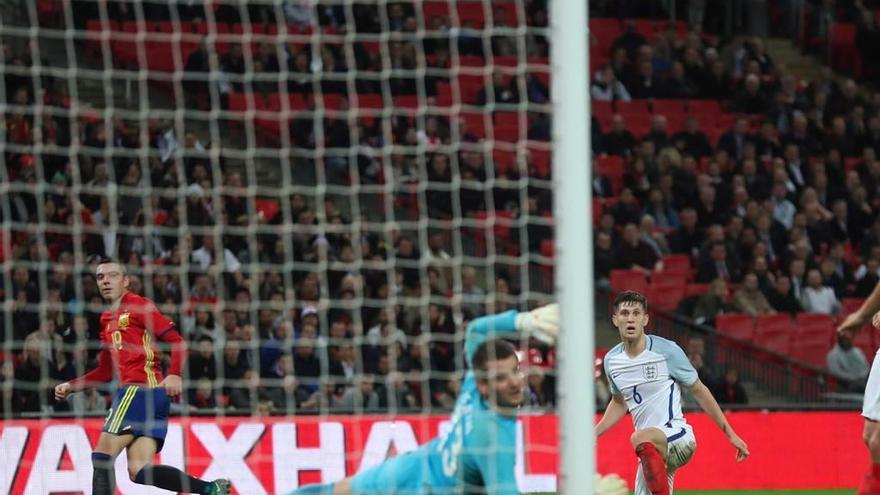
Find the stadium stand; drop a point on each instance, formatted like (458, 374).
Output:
(797, 182)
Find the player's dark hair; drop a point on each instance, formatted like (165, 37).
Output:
(491, 350)
(105, 261)
(630, 296)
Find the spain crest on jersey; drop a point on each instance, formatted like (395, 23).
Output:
(123, 322)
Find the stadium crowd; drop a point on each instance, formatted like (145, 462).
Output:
(780, 205)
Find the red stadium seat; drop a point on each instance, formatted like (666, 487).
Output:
(774, 332)
(628, 280)
(471, 14)
(695, 289)
(814, 353)
(676, 261)
(434, 9)
(469, 86)
(668, 107)
(611, 166)
(814, 327)
(632, 107)
(674, 276)
(665, 296)
(548, 248)
(867, 341)
(850, 305)
(474, 123)
(736, 325)
(507, 127)
(704, 107)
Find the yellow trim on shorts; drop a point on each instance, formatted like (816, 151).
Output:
(123, 408)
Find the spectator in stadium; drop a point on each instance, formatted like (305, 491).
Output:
(472, 294)
(751, 99)
(634, 254)
(696, 354)
(361, 396)
(867, 277)
(781, 297)
(848, 362)
(618, 141)
(692, 140)
(604, 257)
(536, 380)
(239, 379)
(26, 396)
(730, 390)
(606, 87)
(712, 303)
(818, 298)
(749, 299)
(734, 140)
(717, 265)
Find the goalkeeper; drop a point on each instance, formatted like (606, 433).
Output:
(479, 449)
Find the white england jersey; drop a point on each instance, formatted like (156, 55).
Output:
(651, 381)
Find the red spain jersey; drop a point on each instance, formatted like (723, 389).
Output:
(128, 337)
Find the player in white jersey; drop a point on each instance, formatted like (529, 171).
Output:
(871, 406)
(646, 374)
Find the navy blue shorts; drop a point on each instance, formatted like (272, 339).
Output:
(139, 411)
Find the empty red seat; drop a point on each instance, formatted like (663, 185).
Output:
(850, 305)
(774, 332)
(631, 107)
(239, 102)
(628, 280)
(676, 261)
(736, 325)
(704, 107)
(444, 96)
(867, 341)
(367, 102)
(469, 86)
(507, 127)
(813, 353)
(409, 102)
(611, 166)
(548, 248)
(432, 9)
(668, 107)
(674, 276)
(473, 123)
(665, 296)
(695, 289)
(814, 327)
(471, 14)
(504, 160)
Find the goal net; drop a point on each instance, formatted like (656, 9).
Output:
(321, 194)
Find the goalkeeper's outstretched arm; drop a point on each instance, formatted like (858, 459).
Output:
(541, 323)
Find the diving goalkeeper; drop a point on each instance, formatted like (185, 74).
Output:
(478, 452)
(479, 449)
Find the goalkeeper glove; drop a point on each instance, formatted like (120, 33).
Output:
(611, 485)
(541, 323)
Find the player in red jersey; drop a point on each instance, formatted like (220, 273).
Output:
(138, 418)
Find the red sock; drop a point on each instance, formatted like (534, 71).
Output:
(654, 468)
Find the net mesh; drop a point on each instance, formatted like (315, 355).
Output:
(320, 194)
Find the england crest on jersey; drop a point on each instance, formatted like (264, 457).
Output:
(650, 371)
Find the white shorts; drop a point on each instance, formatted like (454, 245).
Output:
(871, 405)
(680, 449)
